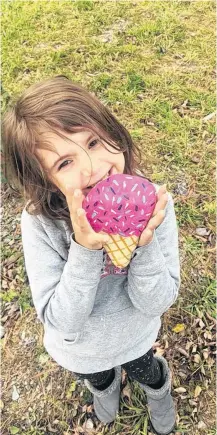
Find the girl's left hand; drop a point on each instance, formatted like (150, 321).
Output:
(156, 219)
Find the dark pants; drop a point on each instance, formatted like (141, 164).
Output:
(145, 370)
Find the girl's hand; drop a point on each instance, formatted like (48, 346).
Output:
(84, 233)
(156, 219)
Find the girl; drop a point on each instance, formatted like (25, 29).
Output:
(59, 141)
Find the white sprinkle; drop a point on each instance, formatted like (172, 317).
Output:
(94, 214)
(119, 199)
(142, 211)
(134, 187)
(126, 205)
(151, 192)
(129, 178)
(128, 211)
(139, 225)
(101, 208)
(115, 182)
(138, 193)
(124, 184)
(106, 196)
(113, 211)
(106, 224)
(132, 215)
(143, 199)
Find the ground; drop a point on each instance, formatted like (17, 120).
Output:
(153, 64)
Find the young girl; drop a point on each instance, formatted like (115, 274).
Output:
(59, 141)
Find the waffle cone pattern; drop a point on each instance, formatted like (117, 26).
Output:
(120, 249)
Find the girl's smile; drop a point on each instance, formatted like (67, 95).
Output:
(83, 160)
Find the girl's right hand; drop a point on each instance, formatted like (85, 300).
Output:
(84, 233)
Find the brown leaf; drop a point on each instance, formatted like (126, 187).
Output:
(182, 351)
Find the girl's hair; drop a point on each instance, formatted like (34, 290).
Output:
(60, 106)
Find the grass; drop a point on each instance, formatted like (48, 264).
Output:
(153, 64)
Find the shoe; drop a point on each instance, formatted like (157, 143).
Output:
(106, 402)
(160, 402)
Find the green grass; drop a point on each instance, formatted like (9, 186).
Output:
(153, 64)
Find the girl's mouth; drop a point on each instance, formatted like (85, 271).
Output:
(104, 178)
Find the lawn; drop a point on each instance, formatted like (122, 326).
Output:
(153, 64)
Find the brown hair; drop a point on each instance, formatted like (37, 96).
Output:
(61, 106)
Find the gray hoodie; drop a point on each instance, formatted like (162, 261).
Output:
(95, 315)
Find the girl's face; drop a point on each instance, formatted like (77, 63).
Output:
(69, 165)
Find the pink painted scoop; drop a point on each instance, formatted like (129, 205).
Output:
(122, 204)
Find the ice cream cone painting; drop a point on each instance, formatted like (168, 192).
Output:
(121, 206)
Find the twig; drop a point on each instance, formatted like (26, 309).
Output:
(211, 318)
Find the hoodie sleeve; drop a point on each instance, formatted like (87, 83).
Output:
(63, 291)
(154, 272)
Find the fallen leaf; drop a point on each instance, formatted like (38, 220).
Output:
(71, 390)
(88, 424)
(183, 352)
(14, 430)
(201, 425)
(205, 354)
(192, 402)
(179, 328)
(202, 324)
(210, 116)
(15, 394)
(127, 391)
(160, 351)
(180, 390)
(1, 404)
(197, 391)
(43, 358)
(197, 358)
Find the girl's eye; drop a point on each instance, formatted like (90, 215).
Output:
(63, 164)
(94, 142)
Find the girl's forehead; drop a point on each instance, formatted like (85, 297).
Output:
(55, 141)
